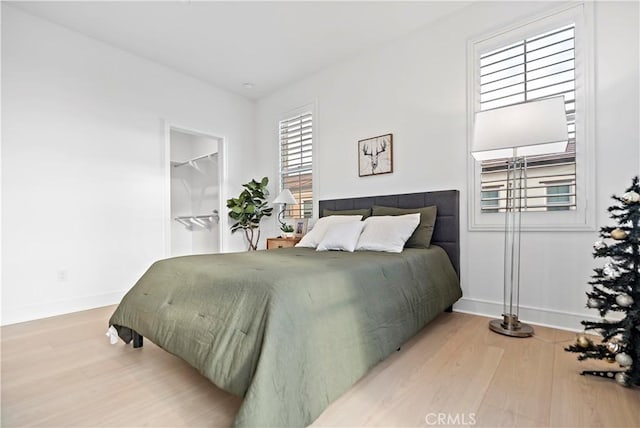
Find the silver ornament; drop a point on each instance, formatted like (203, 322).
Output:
(622, 379)
(624, 300)
(594, 303)
(613, 347)
(631, 197)
(624, 359)
(599, 245)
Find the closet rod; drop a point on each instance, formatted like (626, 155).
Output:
(213, 216)
(200, 220)
(190, 161)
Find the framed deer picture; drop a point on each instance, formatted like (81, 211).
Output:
(375, 155)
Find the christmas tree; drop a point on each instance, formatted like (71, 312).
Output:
(616, 288)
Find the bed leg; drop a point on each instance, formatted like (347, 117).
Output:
(449, 309)
(137, 339)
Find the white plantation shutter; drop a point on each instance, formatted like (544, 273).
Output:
(296, 163)
(538, 67)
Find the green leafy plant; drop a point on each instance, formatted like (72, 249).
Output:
(286, 228)
(249, 208)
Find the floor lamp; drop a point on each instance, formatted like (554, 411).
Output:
(512, 133)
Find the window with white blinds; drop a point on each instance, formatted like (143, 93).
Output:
(537, 67)
(296, 163)
(542, 56)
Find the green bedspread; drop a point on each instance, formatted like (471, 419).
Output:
(290, 330)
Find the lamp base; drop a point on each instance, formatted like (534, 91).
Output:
(510, 326)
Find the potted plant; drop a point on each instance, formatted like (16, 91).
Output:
(287, 230)
(249, 208)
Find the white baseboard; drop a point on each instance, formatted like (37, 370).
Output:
(60, 307)
(539, 316)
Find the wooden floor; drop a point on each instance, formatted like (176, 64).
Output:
(63, 372)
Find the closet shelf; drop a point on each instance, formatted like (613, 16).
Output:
(191, 162)
(203, 221)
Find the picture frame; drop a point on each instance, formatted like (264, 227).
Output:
(300, 227)
(375, 155)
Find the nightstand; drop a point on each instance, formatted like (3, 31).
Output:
(273, 243)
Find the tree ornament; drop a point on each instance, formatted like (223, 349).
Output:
(599, 245)
(622, 378)
(584, 342)
(594, 303)
(613, 347)
(624, 359)
(624, 300)
(631, 197)
(618, 234)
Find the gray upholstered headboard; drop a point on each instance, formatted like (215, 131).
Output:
(447, 228)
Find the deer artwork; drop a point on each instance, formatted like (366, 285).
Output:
(380, 147)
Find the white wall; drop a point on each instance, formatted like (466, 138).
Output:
(415, 88)
(84, 188)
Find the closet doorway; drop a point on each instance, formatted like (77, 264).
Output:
(195, 176)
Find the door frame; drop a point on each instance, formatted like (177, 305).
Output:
(222, 180)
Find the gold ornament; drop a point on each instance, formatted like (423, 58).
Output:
(618, 234)
(610, 360)
(584, 342)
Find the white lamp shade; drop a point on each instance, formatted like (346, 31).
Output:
(531, 128)
(285, 197)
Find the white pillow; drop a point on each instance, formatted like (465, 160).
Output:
(315, 235)
(341, 236)
(387, 233)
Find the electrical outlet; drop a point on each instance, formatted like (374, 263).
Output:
(62, 275)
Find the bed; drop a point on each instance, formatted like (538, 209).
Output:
(292, 329)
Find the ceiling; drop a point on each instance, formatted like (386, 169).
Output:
(268, 44)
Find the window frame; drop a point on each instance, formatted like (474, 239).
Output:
(583, 217)
(311, 109)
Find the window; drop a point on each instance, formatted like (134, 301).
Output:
(490, 201)
(296, 162)
(542, 58)
(538, 67)
(559, 197)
